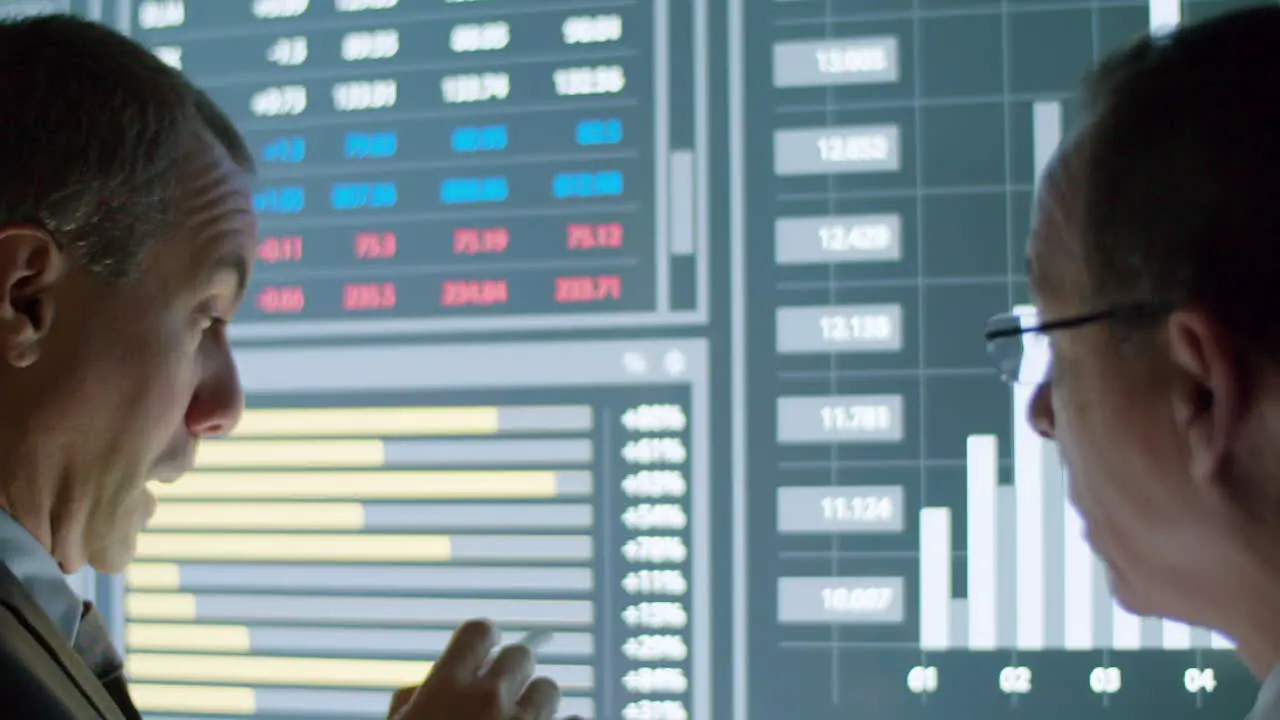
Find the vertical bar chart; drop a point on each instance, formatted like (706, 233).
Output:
(935, 579)
(982, 475)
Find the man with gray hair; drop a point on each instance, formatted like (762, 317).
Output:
(1154, 263)
(127, 232)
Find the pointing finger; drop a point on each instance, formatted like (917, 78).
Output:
(511, 671)
(400, 699)
(540, 701)
(467, 651)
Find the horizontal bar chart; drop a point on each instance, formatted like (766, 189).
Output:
(339, 641)
(367, 453)
(368, 577)
(368, 516)
(356, 610)
(310, 671)
(156, 698)
(362, 547)
(415, 421)
(384, 485)
(320, 557)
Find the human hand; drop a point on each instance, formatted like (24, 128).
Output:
(461, 687)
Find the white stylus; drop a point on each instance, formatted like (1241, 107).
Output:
(535, 639)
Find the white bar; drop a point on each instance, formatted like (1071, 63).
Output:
(1079, 583)
(1028, 479)
(1046, 133)
(1126, 629)
(983, 474)
(1218, 641)
(935, 578)
(1165, 15)
(1177, 636)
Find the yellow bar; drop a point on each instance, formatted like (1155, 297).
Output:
(290, 453)
(159, 606)
(257, 516)
(259, 670)
(296, 547)
(191, 638)
(193, 699)
(153, 576)
(368, 422)
(385, 485)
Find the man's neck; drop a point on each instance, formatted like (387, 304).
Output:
(1249, 610)
(29, 491)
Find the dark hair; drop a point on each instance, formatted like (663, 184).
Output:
(92, 127)
(1181, 173)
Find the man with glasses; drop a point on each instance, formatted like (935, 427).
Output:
(1154, 263)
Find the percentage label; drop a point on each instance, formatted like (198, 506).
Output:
(665, 516)
(655, 710)
(656, 648)
(671, 583)
(653, 484)
(656, 615)
(656, 681)
(655, 418)
(655, 451)
(655, 549)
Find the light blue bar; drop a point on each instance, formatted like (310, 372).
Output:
(1006, 568)
(382, 578)
(1103, 607)
(456, 453)
(1055, 550)
(353, 704)
(959, 623)
(1152, 634)
(1201, 639)
(477, 516)
(513, 548)
(400, 643)
(392, 611)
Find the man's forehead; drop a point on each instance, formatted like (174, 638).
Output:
(216, 225)
(1053, 248)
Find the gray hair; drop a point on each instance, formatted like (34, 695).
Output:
(92, 127)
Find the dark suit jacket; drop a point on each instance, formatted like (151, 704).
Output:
(41, 676)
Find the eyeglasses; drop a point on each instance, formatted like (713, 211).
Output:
(1018, 343)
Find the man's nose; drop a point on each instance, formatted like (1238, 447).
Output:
(217, 404)
(1040, 410)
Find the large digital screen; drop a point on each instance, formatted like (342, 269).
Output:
(430, 166)
(657, 324)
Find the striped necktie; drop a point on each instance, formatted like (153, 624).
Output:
(93, 644)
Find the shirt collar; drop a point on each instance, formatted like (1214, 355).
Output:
(1268, 705)
(40, 575)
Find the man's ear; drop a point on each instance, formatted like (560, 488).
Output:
(31, 264)
(1210, 390)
